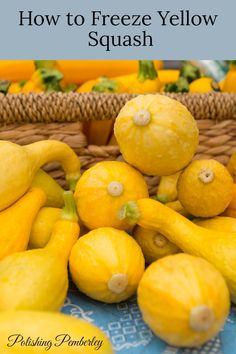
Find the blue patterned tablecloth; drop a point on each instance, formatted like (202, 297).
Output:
(130, 335)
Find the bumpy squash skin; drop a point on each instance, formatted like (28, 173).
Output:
(38, 279)
(16, 222)
(52, 189)
(219, 248)
(169, 291)
(99, 255)
(96, 206)
(163, 145)
(42, 227)
(48, 326)
(205, 199)
(153, 244)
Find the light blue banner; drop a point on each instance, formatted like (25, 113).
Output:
(123, 29)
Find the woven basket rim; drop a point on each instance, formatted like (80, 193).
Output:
(62, 107)
(105, 94)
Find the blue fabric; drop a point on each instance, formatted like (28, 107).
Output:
(128, 333)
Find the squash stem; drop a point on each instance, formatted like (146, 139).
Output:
(69, 211)
(147, 70)
(153, 215)
(105, 85)
(129, 212)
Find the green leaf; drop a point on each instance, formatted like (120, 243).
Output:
(105, 85)
(45, 64)
(190, 72)
(181, 85)
(70, 88)
(4, 86)
(22, 83)
(51, 79)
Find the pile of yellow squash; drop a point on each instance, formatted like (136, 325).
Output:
(124, 76)
(106, 227)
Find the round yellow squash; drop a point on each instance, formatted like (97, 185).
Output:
(107, 265)
(156, 134)
(205, 188)
(153, 244)
(183, 299)
(104, 189)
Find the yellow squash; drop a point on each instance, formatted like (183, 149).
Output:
(177, 206)
(231, 166)
(16, 87)
(153, 244)
(167, 188)
(57, 334)
(38, 279)
(218, 223)
(103, 84)
(184, 300)
(146, 81)
(77, 71)
(219, 248)
(203, 85)
(16, 70)
(19, 164)
(231, 209)
(107, 265)
(103, 189)
(31, 86)
(167, 76)
(42, 227)
(16, 222)
(229, 84)
(156, 134)
(52, 189)
(87, 86)
(205, 188)
(46, 78)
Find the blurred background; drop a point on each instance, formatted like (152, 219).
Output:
(115, 77)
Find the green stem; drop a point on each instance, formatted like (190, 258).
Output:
(48, 64)
(105, 85)
(4, 86)
(129, 212)
(147, 70)
(69, 212)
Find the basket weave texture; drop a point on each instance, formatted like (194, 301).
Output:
(28, 118)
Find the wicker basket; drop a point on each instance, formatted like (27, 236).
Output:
(29, 118)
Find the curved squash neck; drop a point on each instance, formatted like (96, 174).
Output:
(175, 227)
(45, 151)
(64, 236)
